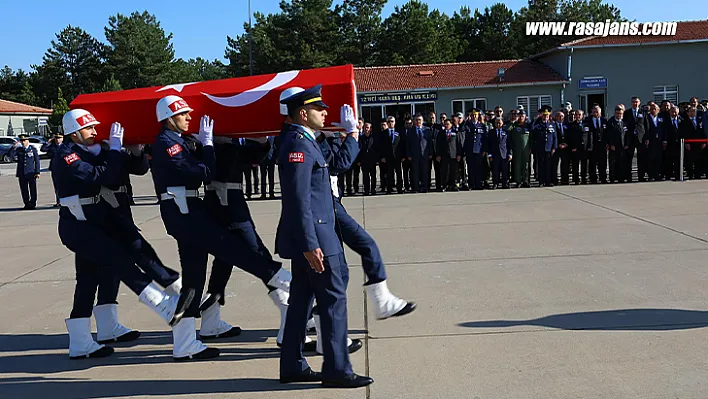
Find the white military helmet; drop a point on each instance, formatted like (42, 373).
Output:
(77, 119)
(286, 94)
(170, 106)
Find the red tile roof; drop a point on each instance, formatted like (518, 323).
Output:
(685, 30)
(17, 108)
(464, 74)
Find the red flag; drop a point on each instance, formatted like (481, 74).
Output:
(248, 106)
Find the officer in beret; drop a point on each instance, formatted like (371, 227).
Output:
(308, 236)
(545, 144)
(27, 170)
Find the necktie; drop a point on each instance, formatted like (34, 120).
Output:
(390, 132)
(597, 123)
(676, 123)
(694, 122)
(420, 135)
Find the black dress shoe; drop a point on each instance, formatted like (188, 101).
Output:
(350, 381)
(306, 376)
(103, 352)
(355, 345)
(127, 337)
(208, 353)
(233, 332)
(410, 307)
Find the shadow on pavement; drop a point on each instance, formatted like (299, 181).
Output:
(39, 208)
(621, 319)
(60, 388)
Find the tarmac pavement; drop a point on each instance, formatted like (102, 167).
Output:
(567, 292)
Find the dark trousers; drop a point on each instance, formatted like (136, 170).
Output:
(598, 163)
(642, 162)
(197, 235)
(104, 249)
(616, 164)
(544, 167)
(671, 161)
(475, 171)
(500, 165)
(90, 277)
(330, 289)
(462, 169)
(655, 160)
(420, 174)
(268, 172)
(433, 164)
(246, 231)
(383, 176)
(579, 162)
(369, 176)
(352, 174)
(406, 170)
(28, 189)
(561, 158)
(251, 171)
(627, 166)
(448, 172)
(393, 170)
(356, 238)
(692, 160)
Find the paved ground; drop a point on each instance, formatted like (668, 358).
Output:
(571, 292)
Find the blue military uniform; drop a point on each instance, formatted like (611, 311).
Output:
(475, 144)
(27, 172)
(545, 141)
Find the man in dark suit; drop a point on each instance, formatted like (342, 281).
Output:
(580, 147)
(634, 121)
(620, 140)
(368, 159)
(562, 155)
(500, 153)
(692, 128)
(27, 170)
(391, 150)
(671, 150)
(436, 128)
(419, 142)
(654, 141)
(597, 126)
(405, 162)
(448, 154)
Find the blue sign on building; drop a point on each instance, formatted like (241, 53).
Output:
(594, 83)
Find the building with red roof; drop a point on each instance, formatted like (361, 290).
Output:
(17, 118)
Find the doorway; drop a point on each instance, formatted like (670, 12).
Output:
(588, 101)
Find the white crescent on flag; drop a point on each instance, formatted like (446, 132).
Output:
(255, 94)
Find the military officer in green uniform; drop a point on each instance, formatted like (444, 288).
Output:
(520, 132)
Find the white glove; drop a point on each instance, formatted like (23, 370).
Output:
(206, 131)
(115, 141)
(348, 121)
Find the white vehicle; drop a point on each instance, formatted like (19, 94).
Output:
(37, 142)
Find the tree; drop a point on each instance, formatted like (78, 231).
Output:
(411, 35)
(269, 53)
(139, 54)
(111, 84)
(27, 95)
(359, 30)
(59, 109)
(74, 62)
(464, 28)
(14, 86)
(496, 38)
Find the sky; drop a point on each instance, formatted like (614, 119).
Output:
(200, 28)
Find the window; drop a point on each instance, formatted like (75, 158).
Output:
(533, 103)
(372, 114)
(465, 106)
(423, 109)
(662, 93)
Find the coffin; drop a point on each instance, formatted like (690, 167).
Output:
(240, 107)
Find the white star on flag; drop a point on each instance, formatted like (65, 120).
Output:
(177, 87)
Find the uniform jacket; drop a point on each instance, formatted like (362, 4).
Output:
(174, 163)
(307, 219)
(27, 160)
(50, 149)
(499, 143)
(635, 124)
(544, 135)
(419, 146)
(449, 144)
(475, 140)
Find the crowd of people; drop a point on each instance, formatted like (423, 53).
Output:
(489, 150)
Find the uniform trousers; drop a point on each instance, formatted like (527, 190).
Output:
(356, 238)
(28, 189)
(329, 288)
(198, 234)
(544, 167)
(268, 172)
(475, 171)
(245, 231)
(90, 276)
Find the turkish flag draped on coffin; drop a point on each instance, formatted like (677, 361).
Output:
(240, 107)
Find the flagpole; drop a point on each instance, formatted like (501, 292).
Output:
(250, 40)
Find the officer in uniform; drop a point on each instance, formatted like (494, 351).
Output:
(520, 133)
(545, 144)
(308, 235)
(178, 173)
(87, 228)
(50, 148)
(500, 153)
(27, 170)
(227, 205)
(463, 130)
(475, 150)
